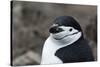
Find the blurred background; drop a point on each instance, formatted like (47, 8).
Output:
(31, 21)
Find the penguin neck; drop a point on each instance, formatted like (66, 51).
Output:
(67, 40)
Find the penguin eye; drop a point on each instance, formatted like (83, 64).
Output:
(70, 29)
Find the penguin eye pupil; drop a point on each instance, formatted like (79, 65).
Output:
(70, 29)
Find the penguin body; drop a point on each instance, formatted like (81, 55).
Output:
(66, 43)
(75, 52)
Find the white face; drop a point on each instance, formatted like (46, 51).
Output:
(68, 32)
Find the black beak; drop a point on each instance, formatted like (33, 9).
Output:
(55, 29)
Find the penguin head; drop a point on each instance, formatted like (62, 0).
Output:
(65, 27)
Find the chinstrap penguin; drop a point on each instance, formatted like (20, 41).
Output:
(66, 43)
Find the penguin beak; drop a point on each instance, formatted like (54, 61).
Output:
(55, 29)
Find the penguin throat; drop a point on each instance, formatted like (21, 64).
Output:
(68, 39)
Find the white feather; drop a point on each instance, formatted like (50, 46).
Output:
(51, 46)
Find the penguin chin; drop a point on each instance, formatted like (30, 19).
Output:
(60, 36)
(65, 36)
(67, 39)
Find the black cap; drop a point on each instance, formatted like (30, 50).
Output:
(67, 21)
